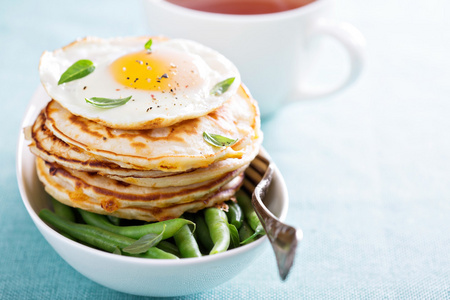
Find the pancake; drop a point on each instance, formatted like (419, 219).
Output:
(105, 196)
(47, 146)
(176, 148)
(124, 132)
(52, 149)
(211, 172)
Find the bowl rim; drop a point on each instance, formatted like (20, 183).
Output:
(31, 113)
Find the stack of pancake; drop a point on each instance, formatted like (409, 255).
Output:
(150, 174)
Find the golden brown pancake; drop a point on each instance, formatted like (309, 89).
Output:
(52, 149)
(101, 195)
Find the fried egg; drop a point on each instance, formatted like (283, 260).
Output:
(169, 84)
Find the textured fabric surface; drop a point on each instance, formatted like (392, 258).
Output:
(368, 170)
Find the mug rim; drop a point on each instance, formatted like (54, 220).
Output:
(295, 12)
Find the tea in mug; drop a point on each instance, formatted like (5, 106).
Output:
(241, 7)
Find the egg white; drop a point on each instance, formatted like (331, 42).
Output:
(203, 66)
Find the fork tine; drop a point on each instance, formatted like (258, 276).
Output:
(263, 159)
(260, 164)
(254, 173)
(248, 186)
(253, 176)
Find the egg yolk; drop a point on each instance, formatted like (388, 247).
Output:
(148, 71)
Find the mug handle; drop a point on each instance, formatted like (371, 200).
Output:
(353, 42)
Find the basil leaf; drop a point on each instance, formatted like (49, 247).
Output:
(234, 236)
(106, 102)
(222, 86)
(148, 45)
(78, 70)
(144, 243)
(218, 140)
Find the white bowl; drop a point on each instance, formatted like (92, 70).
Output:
(146, 277)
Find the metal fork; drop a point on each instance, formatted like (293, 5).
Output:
(282, 237)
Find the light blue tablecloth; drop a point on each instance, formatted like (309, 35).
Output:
(368, 170)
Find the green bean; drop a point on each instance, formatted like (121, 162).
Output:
(246, 233)
(191, 217)
(234, 214)
(217, 222)
(98, 237)
(186, 242)
(250, 215)
(68, 236)
(62, 210)
(203, 232)
(135, 232)
(169, 247)
(234, 236)
(114, 220)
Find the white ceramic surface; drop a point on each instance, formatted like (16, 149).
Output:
(148, 277)
(273, 52)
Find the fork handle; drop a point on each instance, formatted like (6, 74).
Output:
(283, 238)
